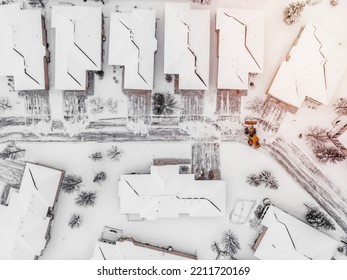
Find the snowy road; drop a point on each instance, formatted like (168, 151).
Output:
(309, 176)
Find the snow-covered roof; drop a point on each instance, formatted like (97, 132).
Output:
(77, 45)
(187, 45)
(313, 68)
(29, 207)
(164, 193)
(21, 47)
(132, 45)
(288, 238)
(129, 249)
(241, 46)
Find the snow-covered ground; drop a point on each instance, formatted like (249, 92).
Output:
(237, 161)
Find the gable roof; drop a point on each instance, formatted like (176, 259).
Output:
(29, 207)
(164, 193)
(21, 47)
(77, 45)
(313, 68)
(288, 238)
(187, 45)
(129, 249)
(133, 44)
(241, 46)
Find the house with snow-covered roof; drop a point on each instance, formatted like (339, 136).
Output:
(127, 248)
(241, 35)
(23, 47)
(311, 70)
(283, 237)
(132, 45)
(77, 45)
(30, 210)
(165, 193)
(187, 45)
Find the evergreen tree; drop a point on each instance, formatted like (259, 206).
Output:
(230, 243)
(164, 104)
(12, 151)
(86, 198)
(319, 220)
(268, 180)
(253, 180)
(71, 183)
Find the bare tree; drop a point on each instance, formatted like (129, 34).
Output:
(5, 104)
(71, 183)
(215, 247)
(112, 106)
(86, 198)
(293, 11)
(75, 221)
(340, 106)
(96, 156)
(99, 177)
(97, 105)
(328, 154)
(12, 151)
(316, 135)
(256, 105)
(230, 243)
(114, 153)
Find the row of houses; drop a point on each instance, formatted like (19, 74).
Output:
(164, 193)
(311, 70)
(132, 44)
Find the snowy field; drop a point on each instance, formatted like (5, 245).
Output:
(192, 235)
